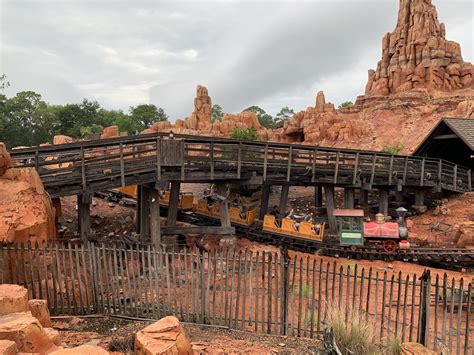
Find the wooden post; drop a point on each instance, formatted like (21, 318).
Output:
(155, 227)
(318, 196)
(83, 215)
(420, 201)
(173, 204)
(224, 211)
(424, 307)
(284, 198)
(349, 197)
(138, 211)
(266, 191)
(329, 192)
(363, 197)
(144, 212)
(383, 201)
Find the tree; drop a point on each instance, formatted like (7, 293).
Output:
(147, 114)
(244, 134)
(285, 114)
(345, 104)
(73, 117)
(125, 123)
(27, 120)
(217, 113)
(263, 117)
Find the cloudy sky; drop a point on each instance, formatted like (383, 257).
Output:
(266, 53)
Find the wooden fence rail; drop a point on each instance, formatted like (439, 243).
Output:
(262, 292)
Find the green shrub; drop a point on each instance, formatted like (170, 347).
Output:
(244, 134)
(394, 149)
(346, 104)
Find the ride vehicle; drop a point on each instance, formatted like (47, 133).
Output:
(355, 232)
(288, 226)
(236, 215)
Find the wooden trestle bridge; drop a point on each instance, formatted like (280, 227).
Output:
(83, 168)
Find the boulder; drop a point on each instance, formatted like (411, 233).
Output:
(416, 349)
(81, 350)
(62, 139)
(110, 132)
(26, 210)
(6, 161)
(13, 298)
(8, 347)
(163, 337)
(27, 332)
(39, 310)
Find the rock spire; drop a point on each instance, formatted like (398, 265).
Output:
(417, 55)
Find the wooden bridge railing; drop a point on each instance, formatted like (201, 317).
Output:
(93, 165)
(259, 292)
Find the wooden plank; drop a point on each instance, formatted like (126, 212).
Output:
(232, 283)
(30, 257)
(239, 161)
(276, 316)
(405, 300)
(89, 299)
(99, 306)
(468, 319)
(397, 312)
(356, 169)
(390, 301)
(244, 298)
(265, 163)
(422, 173)
(263, 293)
(38, 270)
(390, 171)
(64, 272)
(269, 293)
(412, 313)
(54, 277)
(173, 204)
(372, 174)
(79, 280)
(458, 325)
(455, 177)
(256, 290)
(158, 159)
(237, 304)
(313, 170)
(300, 291)
(367, 298)
(382, 315)
(122, 166)
(117, 279)
(290, 159)
(376, 301)
(336, 170)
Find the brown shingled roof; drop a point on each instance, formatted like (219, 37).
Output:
(464, 128)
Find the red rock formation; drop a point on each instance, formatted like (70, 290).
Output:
(62, 139)
(110, 132)
(8, 347)
(39, 310)
(417, 55)
(163, 337)
(6, 161)
(26, 211)
(201, 117)
(13, 298)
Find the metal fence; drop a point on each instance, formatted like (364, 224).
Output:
(263, 292)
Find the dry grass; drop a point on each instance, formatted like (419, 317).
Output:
(355, 337)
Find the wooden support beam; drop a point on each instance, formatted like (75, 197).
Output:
(349, 193)
(318, 196)
(198, 230)
(144, 212)
(446, 136)
(363, 197)
(83, 215)
(284, 198)
(266, 191)
(329, 192)
(173, 204)
(383, 201)
(155, 227)
(224, 210)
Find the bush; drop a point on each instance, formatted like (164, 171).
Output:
(394, 149)
(244, 134)
(356, 336)
(346, 104)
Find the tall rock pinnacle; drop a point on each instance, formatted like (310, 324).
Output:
(417, 55)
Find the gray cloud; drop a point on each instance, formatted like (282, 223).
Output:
(266, 53)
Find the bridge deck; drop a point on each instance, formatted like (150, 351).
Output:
(90, 166)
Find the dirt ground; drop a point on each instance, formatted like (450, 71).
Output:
(117, 336)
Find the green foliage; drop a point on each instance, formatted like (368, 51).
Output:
(244, 134)
(217, 113)
(26, 120)
(264, 118)
(285, 114)
(394, 149)
(356, 336)
(146, 114)
(346, 104)
(89, 131)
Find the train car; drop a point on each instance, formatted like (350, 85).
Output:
(185, 200)
(304, 229)
(354, 231)
(246, 218)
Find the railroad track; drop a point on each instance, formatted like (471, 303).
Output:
(447, 257)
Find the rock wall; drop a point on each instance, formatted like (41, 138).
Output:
(26, 211)
(417, 55)
(201, 116)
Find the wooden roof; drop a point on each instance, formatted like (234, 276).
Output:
(462, 127)
(348, 213)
